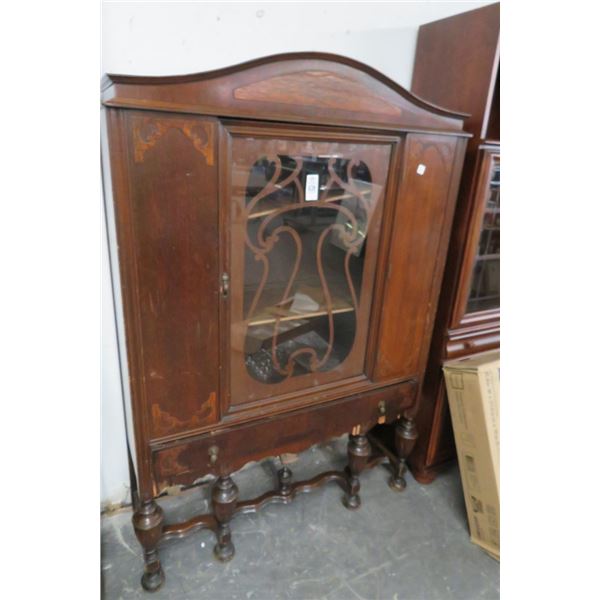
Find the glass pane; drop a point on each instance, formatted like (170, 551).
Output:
(485, 282)
(305, 223)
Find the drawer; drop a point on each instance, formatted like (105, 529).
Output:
(224, 451)
(464, 343)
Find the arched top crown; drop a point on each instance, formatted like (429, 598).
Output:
(300, 87)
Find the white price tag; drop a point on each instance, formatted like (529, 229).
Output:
(311, 192)
(421, 169)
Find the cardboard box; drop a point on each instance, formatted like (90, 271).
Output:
(473, 387)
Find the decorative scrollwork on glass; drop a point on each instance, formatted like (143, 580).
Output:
(304, 261)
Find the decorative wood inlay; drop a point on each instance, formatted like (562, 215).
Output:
(428, 151)
(165, 423)
(169, 463)
(148, 130)
(317, 88)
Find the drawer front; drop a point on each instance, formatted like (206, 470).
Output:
(225, 451)
(462, 343)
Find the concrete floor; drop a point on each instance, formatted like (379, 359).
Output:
(412, 545)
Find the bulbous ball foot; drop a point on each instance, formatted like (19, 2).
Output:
(224, 552)
(397, 484)
(351, 502)
(152, 582)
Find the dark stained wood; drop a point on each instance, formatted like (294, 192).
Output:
(119, 170)
(148, 522)
(492, 131)
(456, 61)
(172, 148)
(470, 340)
(359, 451)
(224, 500)
(405, 437)
(179, 462)
(228, 506)
(457, 64)
(285, 481)
(249, 144)
(489, 156)
(180, 530)
(305, 88)
(424, 210)
(169, 222)
(292, 490)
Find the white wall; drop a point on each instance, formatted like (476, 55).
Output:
(174, 38)
(114, 483)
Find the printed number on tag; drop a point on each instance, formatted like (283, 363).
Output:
(312, 188)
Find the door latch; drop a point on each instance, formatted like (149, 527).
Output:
(225, 285)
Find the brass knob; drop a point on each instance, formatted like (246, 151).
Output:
(382, 407)
(213, 453)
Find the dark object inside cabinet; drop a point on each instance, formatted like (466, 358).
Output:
(279, 228)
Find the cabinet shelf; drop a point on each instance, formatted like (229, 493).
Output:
(282, 311)
(300, 317)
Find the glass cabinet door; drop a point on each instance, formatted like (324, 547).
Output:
(304, 220)
(484, 291)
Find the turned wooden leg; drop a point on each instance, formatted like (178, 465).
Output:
(285, 481)
(148, 525)
(405, 436)
(359, 451)
(224, 498)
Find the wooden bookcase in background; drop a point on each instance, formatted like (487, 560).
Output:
(457, 65)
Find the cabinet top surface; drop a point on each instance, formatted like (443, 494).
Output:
(306, 87)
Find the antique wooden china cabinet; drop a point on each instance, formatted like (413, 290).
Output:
(282, 227)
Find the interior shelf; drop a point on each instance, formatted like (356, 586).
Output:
(285, 311)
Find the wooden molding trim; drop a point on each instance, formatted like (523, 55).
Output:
(286, 86)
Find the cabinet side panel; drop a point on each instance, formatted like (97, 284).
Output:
(168, 232)
(419, 240)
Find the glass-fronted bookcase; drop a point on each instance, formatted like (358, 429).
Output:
(484, 291)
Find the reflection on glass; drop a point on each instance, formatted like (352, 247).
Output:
(485, 283)
(305, 219)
